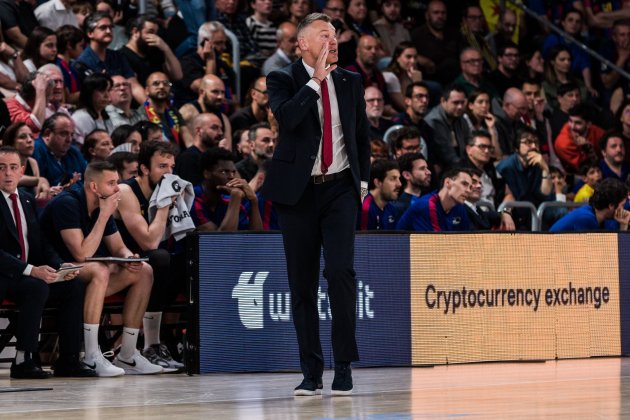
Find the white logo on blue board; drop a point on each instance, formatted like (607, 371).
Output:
(250, 298)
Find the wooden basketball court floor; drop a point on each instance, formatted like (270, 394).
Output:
(568, 389)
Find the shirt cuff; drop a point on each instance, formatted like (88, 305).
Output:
(313, 85)
(36, 121)
(364, 185)
(27, 270)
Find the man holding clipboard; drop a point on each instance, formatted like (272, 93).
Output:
(79, 225)
(29, 277)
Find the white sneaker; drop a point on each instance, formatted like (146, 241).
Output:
(102, 366)
(137, 365)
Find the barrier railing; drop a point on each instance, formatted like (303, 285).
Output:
(523, 205)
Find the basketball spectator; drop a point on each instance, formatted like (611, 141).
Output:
(377, 210)
(241, 145)
(79, 224)
(472, 31)
(286, 40)
(406, 140)
(211, 99)
(617, 50)
(510, 117)
(147, 52)
(526, 174)
(480, 118)
(415, 178)
(159, 111)
(472, 76)
(390, 27)
(69, 48)
(577, 140)
(503, 31)
(605, 204)
(98, 58)
(20, 136)
(219, 199)
(93, 100)
(55, 13)
(613, 164)
(450, 129)
(256, 112)
(365, 65)
(40, 48)
(479, 152)
(416, 107)
(568, 97)
(262, 29)
(228, 14)
(12, 70)
(144, 236)
(206, 60)
(358, 19)
(401, 72)
(263, 145)
(126, 137)
(591, 174)
(444, 210)
(119, 37)
(374, 104)
(119, 110)
(557, 72)
(207, 133)
(297, 10)
(378, 150)
(97, 146)
(437, 47)
(29, 273)
(41, 96)
(481, 216)
(59, 161)
(533, 63)
(506, 76)
(149, 130)
(17, 20)
(126, 164)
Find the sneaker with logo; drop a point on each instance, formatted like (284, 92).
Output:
(102, 366)
(158, 354)
(137, 365)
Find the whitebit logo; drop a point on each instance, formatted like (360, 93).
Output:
(250, 298)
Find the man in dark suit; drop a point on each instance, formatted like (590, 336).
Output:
(317, 179)
(28, 278)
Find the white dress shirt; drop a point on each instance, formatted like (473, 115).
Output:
(7, 197)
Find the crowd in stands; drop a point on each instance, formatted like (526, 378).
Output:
(131, 132)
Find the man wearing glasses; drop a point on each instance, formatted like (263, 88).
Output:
(159, 111)
(479, 152)
(256, 112)
(471, 77)
(119, 111)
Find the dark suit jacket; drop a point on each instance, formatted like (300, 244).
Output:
(295, 107)
(40, 252)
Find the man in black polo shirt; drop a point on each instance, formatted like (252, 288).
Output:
(79, 225)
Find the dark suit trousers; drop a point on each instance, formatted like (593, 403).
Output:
(31, 295)
(325, 216)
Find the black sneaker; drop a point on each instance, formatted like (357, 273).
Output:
(342, 383)
(308, 387)
(73, 369)
(28, 370)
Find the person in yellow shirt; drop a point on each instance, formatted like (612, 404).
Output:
(591, 174)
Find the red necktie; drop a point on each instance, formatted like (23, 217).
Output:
(327, 146)
(18, 224)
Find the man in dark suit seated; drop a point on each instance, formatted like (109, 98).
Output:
(316, 180)
(28, 278)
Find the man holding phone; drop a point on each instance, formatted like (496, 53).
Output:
(29, 277)
(79, 224)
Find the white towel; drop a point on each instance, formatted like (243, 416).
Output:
(179, 219)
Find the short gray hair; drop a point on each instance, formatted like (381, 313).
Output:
(310, 19)
(207, 30)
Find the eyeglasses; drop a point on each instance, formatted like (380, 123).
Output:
(157, 83)
(264, 92)
(529, 142)
(420, 96)
(374, 100)
(485, 147)
(104, 27)
(121, 85)
(473, 61)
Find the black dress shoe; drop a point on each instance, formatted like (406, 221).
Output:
(73, 369)
(28, 370)
(342, 383)
(309, 387)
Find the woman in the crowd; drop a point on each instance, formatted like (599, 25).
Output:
(558, 72)
(20, 136)
(479, 117)
(533, 65)
(401, 72)
(93, 99)
(97, 146)
(297, 10)
(40, 48)
(69, 47)
(126, 137)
